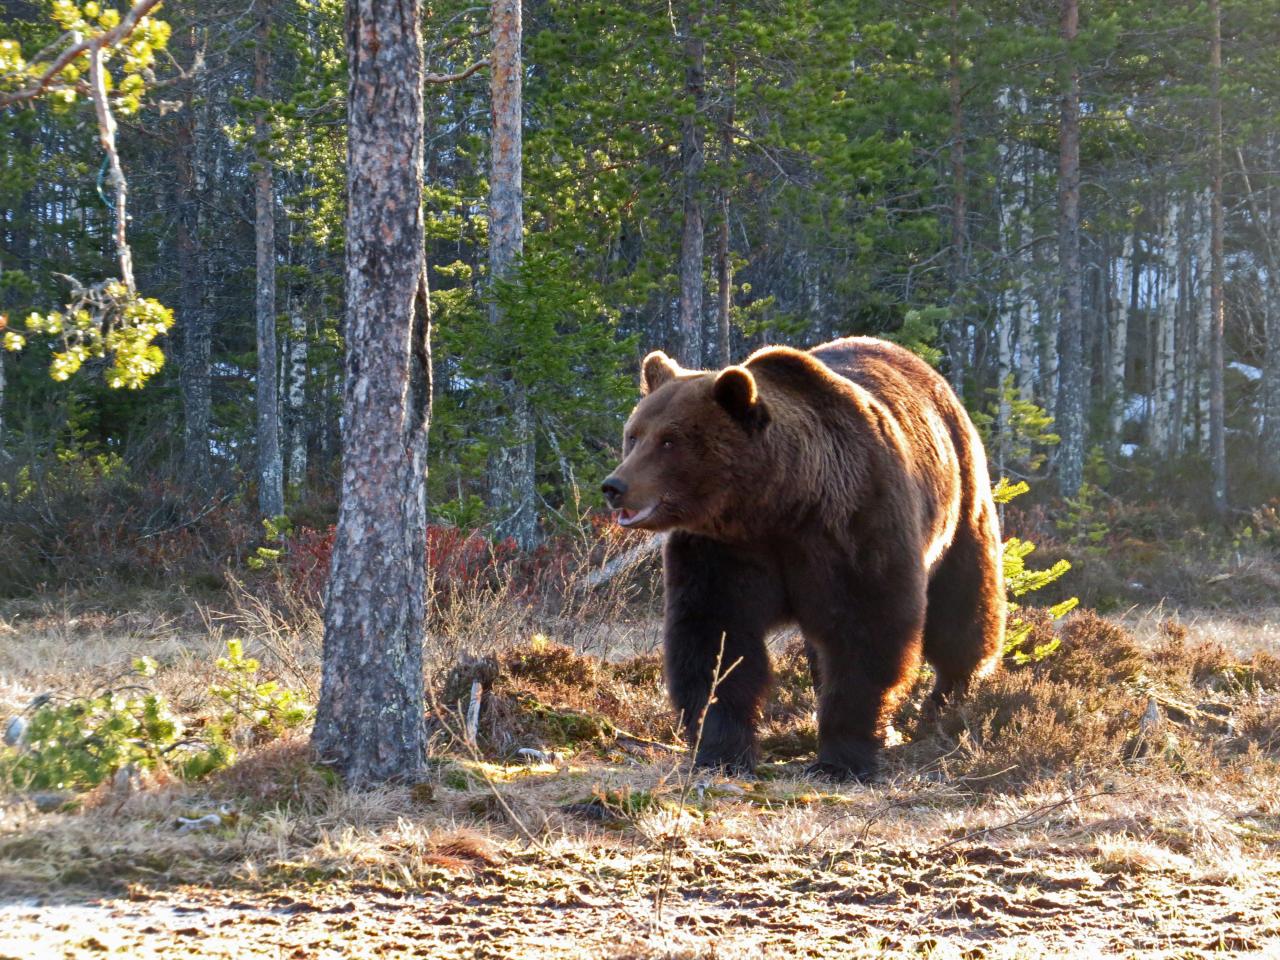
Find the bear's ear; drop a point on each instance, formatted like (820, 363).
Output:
(735, 390)
(656, 370)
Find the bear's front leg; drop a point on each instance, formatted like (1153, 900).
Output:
(720, 604)
(864, 663)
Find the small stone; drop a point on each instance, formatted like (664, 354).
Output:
(48, 801)
(14, 731)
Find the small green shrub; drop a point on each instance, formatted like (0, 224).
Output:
(1019, 581)
(75, 744)
(259, 709)
(78, 743)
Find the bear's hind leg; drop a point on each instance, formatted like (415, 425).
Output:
(716, 596)
(964, 625)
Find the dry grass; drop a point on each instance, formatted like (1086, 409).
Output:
(1038, 817)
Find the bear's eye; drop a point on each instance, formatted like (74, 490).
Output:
(668, 443)
(631, 443)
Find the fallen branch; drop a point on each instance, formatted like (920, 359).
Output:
(624, 561)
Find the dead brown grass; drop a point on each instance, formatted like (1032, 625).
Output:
(1043, 785)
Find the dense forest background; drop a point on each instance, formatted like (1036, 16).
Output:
(1073, 210)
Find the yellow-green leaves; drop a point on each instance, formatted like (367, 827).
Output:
(106, 322)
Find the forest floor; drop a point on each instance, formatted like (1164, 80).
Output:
(1046, 818)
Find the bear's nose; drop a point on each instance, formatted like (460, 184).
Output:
(614, 488)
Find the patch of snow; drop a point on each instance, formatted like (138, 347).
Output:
(1245, 370)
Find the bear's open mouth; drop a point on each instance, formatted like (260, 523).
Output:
(629, 518)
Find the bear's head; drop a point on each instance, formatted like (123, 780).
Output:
(687, 449)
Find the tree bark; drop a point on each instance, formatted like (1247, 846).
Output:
(959, 209)
(369, 722)
(1200, 331)
(2, 453)
(1009, 303)
(1118, 344)
(1071, 384)
(270, 468)
(692, 163)
(1217, 395)
(513, 495)
(1163, 339)
(296, 393)
(1266, 227)
(194, 362)
(724, 259)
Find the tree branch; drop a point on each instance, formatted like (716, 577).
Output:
(451, 77)
(109, 39)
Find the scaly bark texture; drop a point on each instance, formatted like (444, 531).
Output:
(513, 493)
(369, 722)
(1071, 381)
(693, 161)
(1217, 395)
(270, 468)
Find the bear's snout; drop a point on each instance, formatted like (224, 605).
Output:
(615, 488)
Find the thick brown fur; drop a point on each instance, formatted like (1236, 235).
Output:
(843, 490)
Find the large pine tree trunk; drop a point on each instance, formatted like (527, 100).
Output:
(692, 162)
(513, 494)
(1217, 395)
(1071, 380)
(270, 468)
(369, 722)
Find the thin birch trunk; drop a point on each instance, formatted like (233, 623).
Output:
(194, 365)
(1009, 306)
(513, 494)
(270, 468)
(1265, 226)
(1119, 341)
(1071, 378)
(1165, 318)
(959, 210)
(1217, 388)
(692, 164)
(1025, 265)
(724, 260)
(296, 392)
(1203, 302)
(369, 721)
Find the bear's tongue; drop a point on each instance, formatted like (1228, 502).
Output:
(629, 518)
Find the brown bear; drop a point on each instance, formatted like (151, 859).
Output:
(843, 490)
